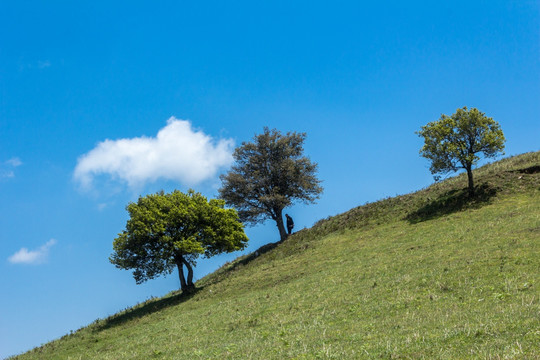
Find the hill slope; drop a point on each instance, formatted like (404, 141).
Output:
(425, 275)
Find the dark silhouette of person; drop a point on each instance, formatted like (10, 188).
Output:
(290, 223)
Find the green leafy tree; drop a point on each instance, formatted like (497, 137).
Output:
(171, 230)
(455, 142)
(270, 174)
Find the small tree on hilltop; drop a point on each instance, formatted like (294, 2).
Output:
(454, 142)
(269, 174)
(171, 230)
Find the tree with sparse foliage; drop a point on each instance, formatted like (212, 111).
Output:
(270, 174)
(171, 230)
(454, 142)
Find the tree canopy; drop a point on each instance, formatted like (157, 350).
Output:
(168, 230)
(269, 174)
(454, 142)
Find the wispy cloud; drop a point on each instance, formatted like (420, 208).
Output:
(102, 206)
(40, 64)
(43, 64)
(178, 152)
(7, 167)
(38, 256)
(15, 162)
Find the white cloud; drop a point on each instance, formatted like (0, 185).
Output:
(15, 162)
(7, 174)
(6, 167)
(24, 256)
(178, 152)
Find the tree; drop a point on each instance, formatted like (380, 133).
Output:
(454, 142)
(168, 230)
(269, 174)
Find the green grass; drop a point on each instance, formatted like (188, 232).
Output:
(429, 275)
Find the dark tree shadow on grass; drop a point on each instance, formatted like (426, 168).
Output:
(451, 202)
(155, 305)
(530, 170)
(144, 309)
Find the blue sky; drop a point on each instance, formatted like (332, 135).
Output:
(85, 89)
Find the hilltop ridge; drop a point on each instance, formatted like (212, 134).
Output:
(431, 274)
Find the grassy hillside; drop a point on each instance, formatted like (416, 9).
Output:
(426, 275)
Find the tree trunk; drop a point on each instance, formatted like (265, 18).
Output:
(190, 274)
(186, 286)
(471, 183)
(179, 263)
(281, 227)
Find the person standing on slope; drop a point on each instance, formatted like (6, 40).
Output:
(290, 223)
